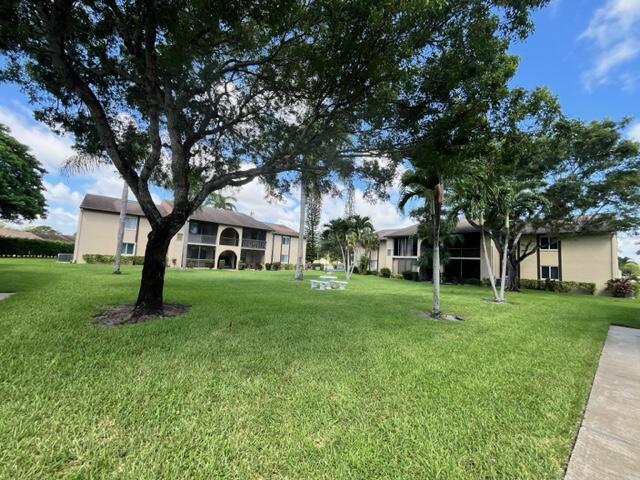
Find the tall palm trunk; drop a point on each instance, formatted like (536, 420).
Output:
(121, 221)
(505, 254)
(492, 278)
(299, 275)
(436, 206)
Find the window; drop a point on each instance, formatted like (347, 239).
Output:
(128, 248)
(284, 258)
(130, 222)
(405, 247)
(549, 273)
(548, 243)
(199, 252)
(286, 240)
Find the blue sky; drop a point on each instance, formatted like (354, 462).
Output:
(586, 51)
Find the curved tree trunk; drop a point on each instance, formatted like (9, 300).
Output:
(492, 278)
(121, 221)
(505, 256)
(150, 295)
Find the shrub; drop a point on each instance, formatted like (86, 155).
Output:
(27, 247)
(258, 266)
(242, 265)
(276, 266)
(385, 272)
(559, 286)
(369, 272)
(287, 266)
(407, 275)
(108, 259)
(398, 276)
(622, 287)
(267, 266)
(317, 266)
(363, 263)
(356, 269)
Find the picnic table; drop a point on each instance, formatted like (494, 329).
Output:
(328, 282)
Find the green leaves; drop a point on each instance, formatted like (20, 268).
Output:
(21, 187)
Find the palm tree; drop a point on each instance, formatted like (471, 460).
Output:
(82, 163)
(428, 186)
(223, 202)
(343, 235)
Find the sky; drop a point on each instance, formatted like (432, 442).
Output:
(586, 51)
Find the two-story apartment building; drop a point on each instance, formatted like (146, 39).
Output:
(585, 257)
(211, 237)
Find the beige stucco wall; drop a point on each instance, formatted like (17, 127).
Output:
(590, 258)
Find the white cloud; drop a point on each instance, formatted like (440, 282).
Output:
(628, 245)
(50, 149)
(614, 33)
(59, 193)
(634, 132)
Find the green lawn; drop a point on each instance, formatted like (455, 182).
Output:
(306, 384)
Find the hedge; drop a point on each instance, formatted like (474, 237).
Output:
(27, 247)
(559, 286)
(124, 259)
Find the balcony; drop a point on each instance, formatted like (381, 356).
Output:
(200, 263)
(254, 244)
(202, 239)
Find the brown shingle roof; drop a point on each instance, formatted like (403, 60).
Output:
(11, 233)
(282, 229)
(205, 214)
(101, 203)
(463, 226)
(227, 217)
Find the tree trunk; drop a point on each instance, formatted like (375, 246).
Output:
(121, 221)
(435, 210)
(492, 279)
(513, 284)
(150, 297)
(505, 255)
(299, 275)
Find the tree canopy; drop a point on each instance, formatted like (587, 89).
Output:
(21, 188)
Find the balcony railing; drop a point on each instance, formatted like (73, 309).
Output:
(199, 263)
(255, 244)
(204, 239)
(233, 241)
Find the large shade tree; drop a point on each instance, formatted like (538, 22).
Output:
(441, 111)
(21, 188)
(551, 175)
(214, 94)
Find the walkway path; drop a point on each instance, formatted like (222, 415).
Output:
(608, 444)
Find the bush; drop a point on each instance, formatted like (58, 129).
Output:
(356, 269)
(622, 287)
(276, 266)
(27, 247)
(242, 265)
(267, 266)
(317, 266)
(258, 266)
(369, 272)
(385, 272)
(287, 266)
(410, 275)
(109, 259)
(363, 263)
(398, 276)
(559, 286)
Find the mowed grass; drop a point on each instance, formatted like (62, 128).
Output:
(305, 384)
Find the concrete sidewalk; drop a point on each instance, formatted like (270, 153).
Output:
(608, 444)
